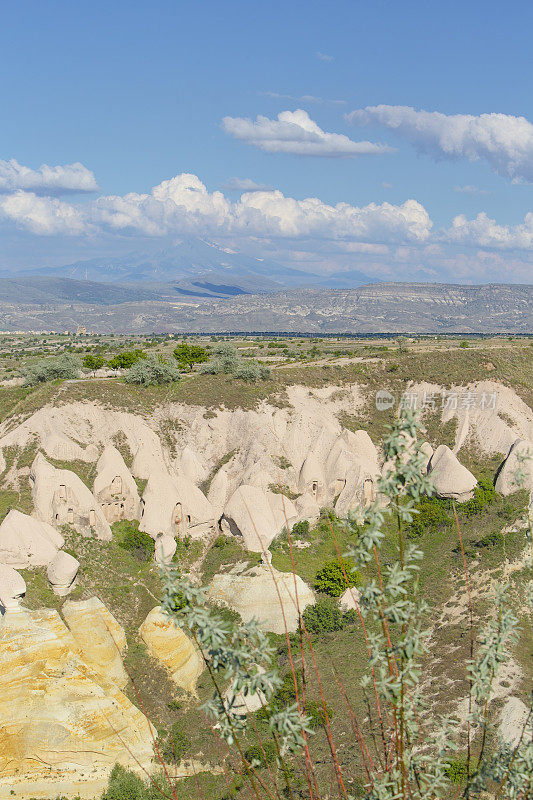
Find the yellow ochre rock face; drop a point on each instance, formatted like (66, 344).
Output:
(58, 718)
(172, 648)
(100, 638)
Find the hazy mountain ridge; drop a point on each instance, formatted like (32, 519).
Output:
(374, 308)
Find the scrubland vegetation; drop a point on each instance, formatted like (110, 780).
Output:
(357, 701)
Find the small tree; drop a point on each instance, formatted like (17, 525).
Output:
(187, 355)
(93, 362)
(127, 359)
(151, 372)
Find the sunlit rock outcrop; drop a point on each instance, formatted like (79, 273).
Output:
(172, 647)
(59, 719)
(27, 542)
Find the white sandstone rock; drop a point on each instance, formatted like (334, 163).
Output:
(349, 598)
(250, 515)
(114, 487)
(61, 498)
(450, 478)
(61, 573)
(165, 547)
(175, 506)
(27, 542)
(12, 588)
(506, 481)
(257, 592)
(307, 507)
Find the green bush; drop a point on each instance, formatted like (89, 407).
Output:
(151, 372)
(324, 617)
(136, 542)
(301, 528)
(330, 579)
(189, 354)
(227, 360)
(251, 371)
(65, 367)
(93, 362)
(125, 785)
(264, 754)
(173, 744)
(433, 516)
(456, 770)
(484, 494)
(127, 359)
(316, 713)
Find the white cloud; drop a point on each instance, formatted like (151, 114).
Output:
(42, 215)
(273, 214)
(324, 57)
(245, 185)
(469, 189)
(304, 98)
(296, 133)
(503, 141)
(386, 185)
(65, 179)
(184, 205)
(485, 232)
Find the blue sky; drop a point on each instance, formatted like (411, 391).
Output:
(139, 93)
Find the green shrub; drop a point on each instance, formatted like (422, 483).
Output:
(127, 359)
(263, 754)
(433, 516)
(301, 529)
(330, 579)
(151, 372)
(125, 785)
(484, 494)
(456, 770)
(251, 371)
(324, 617)
(64, 367)
(316, 713)
(173, 744)
(227, 360)
(93, 362)
(189, 354)
(136, 542)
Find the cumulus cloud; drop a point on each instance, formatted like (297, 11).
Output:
(503, 141)
(485, 232)
(296, 133)
(62, 179)
(324, 56)
(42, 215)
(184, 204)
(271, 213)
(245, 185)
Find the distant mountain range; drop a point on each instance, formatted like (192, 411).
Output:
(63, 304)
(194, 268)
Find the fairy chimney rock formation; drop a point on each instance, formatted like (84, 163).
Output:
(27, 542)
(12, 588)
(61, 573)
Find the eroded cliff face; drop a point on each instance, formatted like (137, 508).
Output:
(59, 720)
